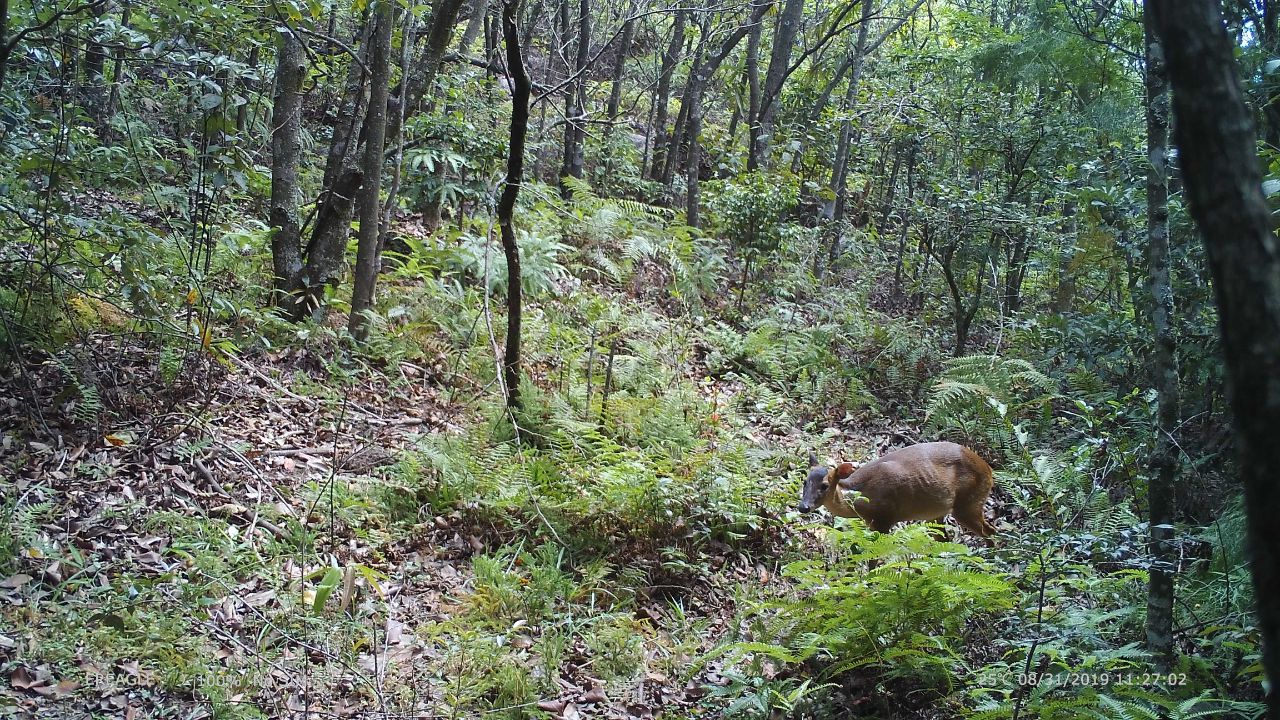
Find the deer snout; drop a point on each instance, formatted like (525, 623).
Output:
(807, 509)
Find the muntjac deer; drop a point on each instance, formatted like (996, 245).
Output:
(920, 482)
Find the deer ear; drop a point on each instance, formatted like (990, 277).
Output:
(813, 460)
(844, 470)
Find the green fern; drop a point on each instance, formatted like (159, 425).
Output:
(88, 407)
(992, 401)
(891, 600)
(618, 234)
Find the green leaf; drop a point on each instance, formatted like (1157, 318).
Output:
(332, 577)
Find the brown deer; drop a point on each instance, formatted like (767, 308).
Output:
(920, 482)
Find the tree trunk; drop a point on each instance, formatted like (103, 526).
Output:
(420, 81)
(694, 166)
(1164, 456)
(731, 135)
(887, 206)
(548, 68)
(117, 77)
(526, 37)
(620, 65)
(1015, 272)
(375, 133)
(963, 312)
(662, 97)
(242, 112)
(1065, 291)
(784, 38)
(834, 208)
(905, 228)
(94, 94)
(397, 140)
(753, 86)
(433, 210)
(576, 124)
(6, 47)
(699, 78)
(342, 177)
(479, 8)
(608, 377)
(1218, 157)
(677, 139)
(566, 147)
(521, 89)
(286, 121)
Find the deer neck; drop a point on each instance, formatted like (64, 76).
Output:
(837, 505)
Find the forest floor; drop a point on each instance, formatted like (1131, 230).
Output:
(192, 516)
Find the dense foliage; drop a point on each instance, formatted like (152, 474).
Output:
(744, 232)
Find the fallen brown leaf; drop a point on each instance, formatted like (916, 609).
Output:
(14, 582)
(552, 706)
(594, 695)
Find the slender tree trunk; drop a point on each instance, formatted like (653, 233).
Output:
(286, 122)
(575, 160)
(590, 374)
(521, 89)
(242, 112)
(699, 78)
(608, 377)
(1015, 272)
(620, 64)
(834, 209)
(648, 136)
(531, 23)
(1164, 456)
(905, 228)
(753, 86)
(492, 31)
(784, 38)
(350, 115)
(342, 178)
(824, 96)
(397, 110)
(570, 98)
(1065, 292)
(963, 312)
(677, 139)
(117, 76)
(694, 166)
(887, 206)
(478, 9)
(422, 78)
(662, 98)
(375, 133)
(6, 46)
(432, 213)
(735, 118)
(94, 94)
(548, 69)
